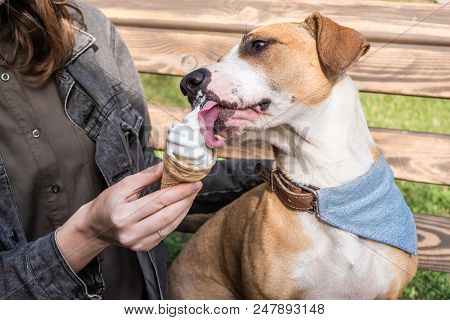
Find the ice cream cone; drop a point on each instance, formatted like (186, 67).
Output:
(178, 170)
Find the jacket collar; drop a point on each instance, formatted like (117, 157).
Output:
(82, 42)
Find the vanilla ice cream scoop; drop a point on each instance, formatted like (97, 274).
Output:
(185, 142)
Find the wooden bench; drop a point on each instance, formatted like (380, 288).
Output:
(410, 55)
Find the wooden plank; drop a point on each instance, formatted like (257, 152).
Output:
(434, 242)
(175, 52)
(413, 156)
(395, 68)
(380, 21)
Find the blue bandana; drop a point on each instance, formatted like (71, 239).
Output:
(371, 207)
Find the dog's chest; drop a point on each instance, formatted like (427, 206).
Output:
(339, 264)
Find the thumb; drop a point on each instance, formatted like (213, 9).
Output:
(131, 186)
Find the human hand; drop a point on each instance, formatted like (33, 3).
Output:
(118, 216)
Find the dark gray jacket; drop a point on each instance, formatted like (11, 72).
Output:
(101, 93)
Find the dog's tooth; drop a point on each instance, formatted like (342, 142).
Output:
(219, 137)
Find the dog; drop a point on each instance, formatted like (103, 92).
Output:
(287, 84)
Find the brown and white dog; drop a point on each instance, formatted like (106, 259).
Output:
(288, 81)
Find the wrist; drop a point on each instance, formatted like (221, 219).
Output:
(84, 226)
(76, 241)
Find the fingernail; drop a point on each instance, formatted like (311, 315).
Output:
(198, 185)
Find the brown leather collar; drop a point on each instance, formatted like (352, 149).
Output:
(294, 196)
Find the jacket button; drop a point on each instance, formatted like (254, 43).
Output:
(36, 133)
(5, 77)
(55, 188)
(14, 236)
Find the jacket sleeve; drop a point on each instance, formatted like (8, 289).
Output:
(25, 270)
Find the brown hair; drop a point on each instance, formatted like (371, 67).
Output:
(38, 35)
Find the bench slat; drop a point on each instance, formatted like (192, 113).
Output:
(413, 156)
(415, 63)
(416, 156)
(434, 242)
(396, 68)
(239, 16)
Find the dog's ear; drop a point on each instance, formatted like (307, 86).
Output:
(338, 47)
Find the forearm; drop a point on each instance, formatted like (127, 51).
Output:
(77, 245)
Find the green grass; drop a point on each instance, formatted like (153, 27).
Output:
(382, 110)
(423, 198)
(409, 113)
(163, 90)
(175, 243)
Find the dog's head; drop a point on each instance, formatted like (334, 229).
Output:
(273, 76)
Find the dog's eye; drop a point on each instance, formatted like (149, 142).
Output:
(259, 45)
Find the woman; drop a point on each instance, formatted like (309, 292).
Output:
(78, 219)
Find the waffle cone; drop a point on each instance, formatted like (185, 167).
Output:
(177, 171)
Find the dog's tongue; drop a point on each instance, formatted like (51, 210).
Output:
(207, 116)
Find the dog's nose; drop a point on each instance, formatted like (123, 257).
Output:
(192, 81)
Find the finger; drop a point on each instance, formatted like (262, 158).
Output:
(132, 185)
(158, 200)
(155, 238)
(163, 218)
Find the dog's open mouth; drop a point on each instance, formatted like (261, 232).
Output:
(219, 122)
(212, 118)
